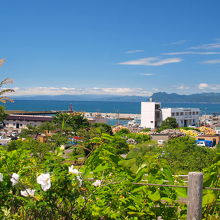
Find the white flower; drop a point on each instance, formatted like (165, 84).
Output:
(14, 178)
(44, 181)
(1, 177)
(73, 171)
(62, 147)
(79, 180)
(97, 183)
(28, 192)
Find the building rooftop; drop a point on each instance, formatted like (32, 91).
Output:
(29, 117)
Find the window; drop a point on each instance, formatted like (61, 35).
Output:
(151, 122)
(186, 113)
(181, 113)
(173, 114)
(177, 114)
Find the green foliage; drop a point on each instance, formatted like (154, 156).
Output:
(30, 131)
(138, 137)
(122, 131)
(70, 122)
(168, 123)
(140, 155)
(104, 128)
(211, 198)
(107, 186)
(183, 155)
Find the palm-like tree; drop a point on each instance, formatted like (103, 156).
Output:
(3, 98)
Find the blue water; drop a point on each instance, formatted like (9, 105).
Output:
(100, 106)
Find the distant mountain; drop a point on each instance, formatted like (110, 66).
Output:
(157, 97)
(84, 98)
(194, 98)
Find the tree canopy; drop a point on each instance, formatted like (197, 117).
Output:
(168, 123)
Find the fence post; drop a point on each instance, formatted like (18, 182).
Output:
(194, 207)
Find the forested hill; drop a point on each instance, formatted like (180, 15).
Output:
(194, 98)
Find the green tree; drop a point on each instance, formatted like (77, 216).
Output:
(183, 155)
(68, 122)
(104, 128)
(31, 131)
(168, 123)
(47, 127)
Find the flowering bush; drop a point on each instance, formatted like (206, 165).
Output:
(47, 187)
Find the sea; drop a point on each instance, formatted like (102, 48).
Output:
(102, 106)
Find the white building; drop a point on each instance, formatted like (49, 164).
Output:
(152, 115)
(184, 116)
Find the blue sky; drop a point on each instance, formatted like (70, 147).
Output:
(123, 47)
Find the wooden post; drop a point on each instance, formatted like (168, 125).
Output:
(194, 208)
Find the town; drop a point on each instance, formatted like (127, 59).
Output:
(204, 128)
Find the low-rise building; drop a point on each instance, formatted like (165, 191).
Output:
(152, 115)
(21, 121)
(184, 116)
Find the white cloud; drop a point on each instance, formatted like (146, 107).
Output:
(203, 86)
(79, 91)
(206, 46)
(211, 61)
(152, 61)
(191, 52)
(134, 51)
(206, 86)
